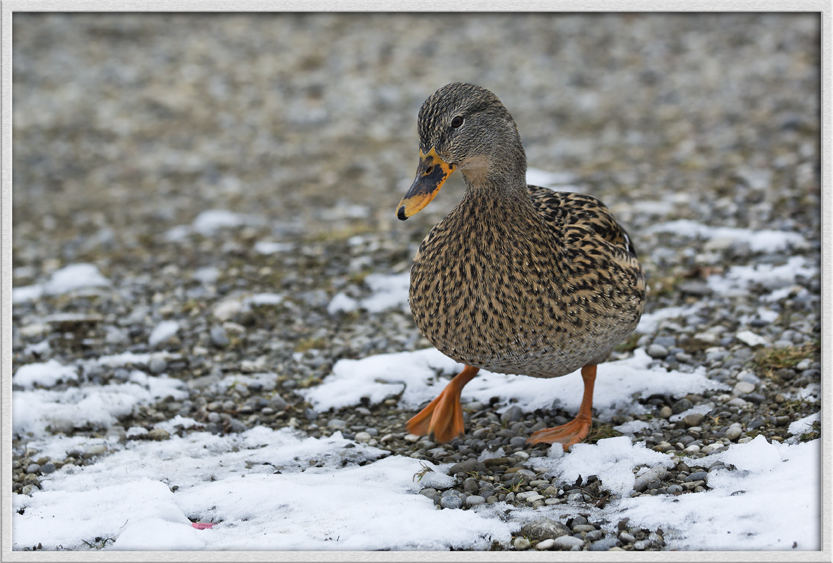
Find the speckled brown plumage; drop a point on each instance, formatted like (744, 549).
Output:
(538, 292)
(516, 279)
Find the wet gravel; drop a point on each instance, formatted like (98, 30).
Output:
(127, 128)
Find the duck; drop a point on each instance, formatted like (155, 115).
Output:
(516, 279)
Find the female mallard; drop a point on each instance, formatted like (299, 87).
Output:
(516, 279)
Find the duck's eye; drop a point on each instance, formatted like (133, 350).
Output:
(457, 121)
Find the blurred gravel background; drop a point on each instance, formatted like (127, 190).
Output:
(128, 127)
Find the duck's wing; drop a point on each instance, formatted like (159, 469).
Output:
(575, 213)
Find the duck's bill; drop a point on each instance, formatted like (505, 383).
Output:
(432, 172)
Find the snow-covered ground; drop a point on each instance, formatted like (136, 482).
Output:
(278, 489)
(281, 489)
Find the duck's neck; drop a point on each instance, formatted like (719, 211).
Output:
(501, 178)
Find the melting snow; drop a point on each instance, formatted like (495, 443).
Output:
(65, 280)
(413, 377)
(759, 240)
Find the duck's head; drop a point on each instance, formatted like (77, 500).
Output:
(467, 127)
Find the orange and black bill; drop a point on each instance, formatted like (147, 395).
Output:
(432, 172)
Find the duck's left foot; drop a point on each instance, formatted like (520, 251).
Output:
(567, 434)
(577, 429)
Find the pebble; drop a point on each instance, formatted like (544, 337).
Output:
(219, 337)
(474, 500)
(95, 450)
(681, 405)
(657, 351)
(336, 424)
(157, 364)
(512, 414)
(362, 437)
(158, 434)
(665, 412)
(625, 537)
(451, 499)
(743, 387)
(568, 542)
(544, 528)
(656, 473)
(545, 545)
(693, 419)
(521, 543)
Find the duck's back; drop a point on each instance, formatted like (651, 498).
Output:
(539, 293)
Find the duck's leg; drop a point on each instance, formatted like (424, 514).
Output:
(575, 430)
(444, 416)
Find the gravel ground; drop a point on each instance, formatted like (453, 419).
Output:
(127, 128)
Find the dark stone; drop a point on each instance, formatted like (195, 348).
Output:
(544, 528)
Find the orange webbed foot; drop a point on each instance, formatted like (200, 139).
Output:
(444, 415)
(567, 434)
(577, 429)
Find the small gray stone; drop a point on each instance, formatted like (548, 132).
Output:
(568, 542)
(430, 492)
(603, 544)
(512, 414)
(693, 419)
(697, 476)
(32, 468)
(362, 437)
(681, 405)
(157, 364)
(625, 537)
(545, 544)
(744, 387)
(655, 473)
(734, 431)
(336, 424)
(474, 500)
(517, 441)
(544, 528)
(657, 351)
(47, 468)
(665, 412)
(219, 337)
(466, 466)
(451, 499)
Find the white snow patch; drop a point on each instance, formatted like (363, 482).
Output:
(414, 375)
(93, 405)
(611, 459)
(388, 291)
(751, 339)
(738, 279)
(212, 220)
(272, 247)
(232, 480)
(736, 513)
(67, 279)
(765, 240)
(341, 302)
(803, 425)
(162, 332)
(261, 299)
(649, 322)
(44, 374)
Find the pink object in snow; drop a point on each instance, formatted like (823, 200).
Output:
(202, 525)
